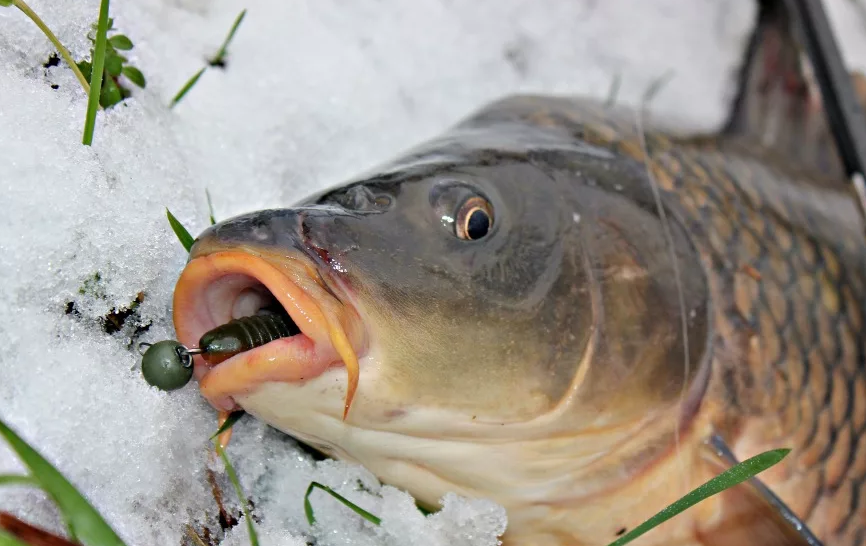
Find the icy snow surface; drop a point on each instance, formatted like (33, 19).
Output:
(314, 92)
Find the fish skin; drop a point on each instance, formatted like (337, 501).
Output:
(786, 264)
(772, 266)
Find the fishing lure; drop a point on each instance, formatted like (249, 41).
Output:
(167, 365)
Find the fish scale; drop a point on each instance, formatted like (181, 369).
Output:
(798, 322)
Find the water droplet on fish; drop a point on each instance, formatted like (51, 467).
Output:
(576, 217)
(617, 187)
(261, 233)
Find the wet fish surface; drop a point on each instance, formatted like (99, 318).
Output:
(555, 306)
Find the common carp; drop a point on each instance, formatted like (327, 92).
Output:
(556, 306)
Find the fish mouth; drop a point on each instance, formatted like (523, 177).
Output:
(219, 286)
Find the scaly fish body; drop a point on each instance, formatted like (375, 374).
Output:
(785, 262)
(552, 308)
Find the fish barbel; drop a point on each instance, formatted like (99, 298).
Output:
(555, 305)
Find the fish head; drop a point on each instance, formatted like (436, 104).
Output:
(479, 321)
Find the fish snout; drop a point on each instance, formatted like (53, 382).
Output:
(266, 262)
(266, 229)
(315, 230)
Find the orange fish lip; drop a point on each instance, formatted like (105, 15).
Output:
(203, 299)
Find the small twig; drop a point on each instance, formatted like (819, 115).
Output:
(31, 534)
(193, 536)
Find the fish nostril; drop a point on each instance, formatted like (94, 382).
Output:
(359, 198)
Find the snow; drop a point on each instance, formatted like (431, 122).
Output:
(313, 93)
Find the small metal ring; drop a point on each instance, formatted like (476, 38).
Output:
(185, 356)
(143, 347)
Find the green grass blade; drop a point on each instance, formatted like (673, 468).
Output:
(233, 418)
(83, 521)
(12, 479)
(218, 58)
(186, 87)
(182, 234)
(210, 207)
(233, 477)
(8, 540)
(96, 74)
(308, 507)
(727, 479)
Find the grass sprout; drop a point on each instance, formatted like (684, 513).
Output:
(83, 522)
(187, 86)
(210, 208)
(735, 475)
(182, 234)
(96, 73)
(218, 60)
(115, 65)
(187, 241)
(99, 77)
(15, 479)
(86, 526)
(233, 477)
(308, 507)
(25, 9)
(233, 418)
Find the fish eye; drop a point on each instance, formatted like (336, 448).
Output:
(474, 219)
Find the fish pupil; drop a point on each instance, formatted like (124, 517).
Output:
(478, 224)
